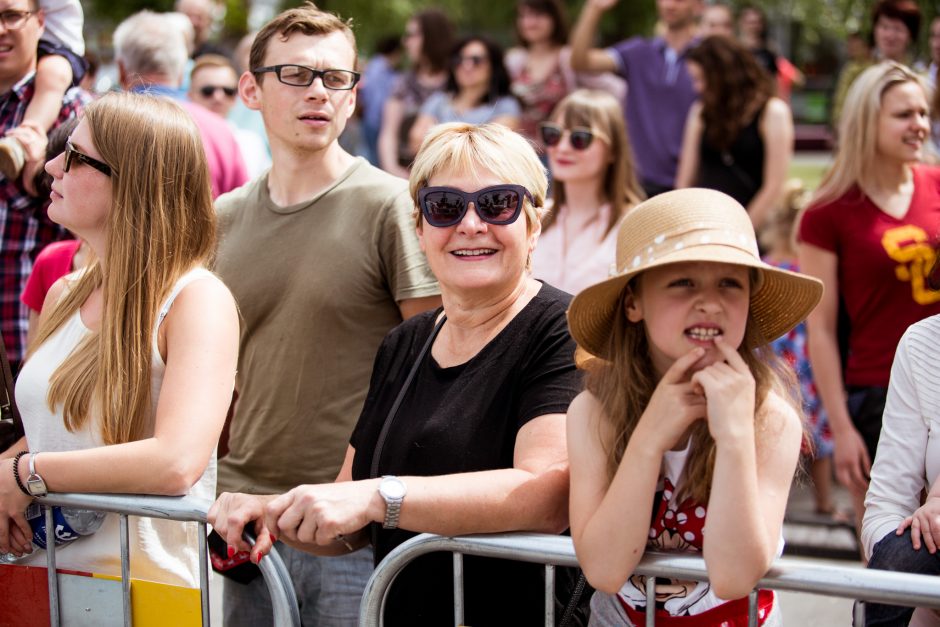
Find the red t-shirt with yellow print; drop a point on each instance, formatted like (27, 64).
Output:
(883, 265)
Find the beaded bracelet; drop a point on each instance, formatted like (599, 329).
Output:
(16, 473)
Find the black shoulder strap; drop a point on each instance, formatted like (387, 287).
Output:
(380, 443)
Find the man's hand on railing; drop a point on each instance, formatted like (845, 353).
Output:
(232, 513)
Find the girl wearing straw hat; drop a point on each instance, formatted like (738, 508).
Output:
(686, 414)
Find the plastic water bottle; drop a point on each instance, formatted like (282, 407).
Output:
(69, 525)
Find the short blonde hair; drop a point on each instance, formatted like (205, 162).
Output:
(488, 148)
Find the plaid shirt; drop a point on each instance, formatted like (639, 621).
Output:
(24, 226)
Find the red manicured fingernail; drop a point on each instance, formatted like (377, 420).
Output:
(273, 539)
(231, 552)
(259, 558)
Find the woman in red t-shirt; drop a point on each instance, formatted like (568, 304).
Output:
(870, 235)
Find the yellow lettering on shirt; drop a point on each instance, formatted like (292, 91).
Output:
(911, 248)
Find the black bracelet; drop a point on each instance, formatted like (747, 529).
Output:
(16, 473)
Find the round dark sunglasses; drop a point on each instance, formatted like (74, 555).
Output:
(497, 204)
(579, 138)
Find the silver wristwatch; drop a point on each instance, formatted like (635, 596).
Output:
(35, 484)
(392, 489)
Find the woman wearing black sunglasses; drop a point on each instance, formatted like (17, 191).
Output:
(594, 183)
(463, 429)
(477, 90)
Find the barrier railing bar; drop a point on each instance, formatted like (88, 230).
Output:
(549, 594)
(752, 609)
(458, 589)
(124, 533)
(858, 614)
(650, 601)
(204, 573)
(785, 574)
(54, 617)
(179, 508)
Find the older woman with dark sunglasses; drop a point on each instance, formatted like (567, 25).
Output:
(463, 429)
(594, 183)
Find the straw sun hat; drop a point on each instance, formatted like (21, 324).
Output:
(690, 225)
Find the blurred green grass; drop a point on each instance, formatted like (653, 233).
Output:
(809, 171)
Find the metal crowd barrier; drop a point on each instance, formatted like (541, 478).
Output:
(828, 579)
(185, 509)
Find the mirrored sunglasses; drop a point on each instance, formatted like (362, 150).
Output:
(497, 204)
(579, 137)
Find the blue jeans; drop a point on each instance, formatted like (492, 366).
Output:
(895, 553)
(329, 590)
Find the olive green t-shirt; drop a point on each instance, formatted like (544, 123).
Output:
(317, 286)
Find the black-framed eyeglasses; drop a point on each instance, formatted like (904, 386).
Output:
(71, 153)
(497, 204)
(303, 76)
(579, 137)
(14, 20)
(208, 91)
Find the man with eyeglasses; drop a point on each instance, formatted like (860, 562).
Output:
(151, 56)
(24, 227)
(322, 257)
(213, 84)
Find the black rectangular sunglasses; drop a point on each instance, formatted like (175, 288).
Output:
(497, 204)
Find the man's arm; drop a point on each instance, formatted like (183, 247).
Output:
(585, 58)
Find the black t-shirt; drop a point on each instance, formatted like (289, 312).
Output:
(464, 419)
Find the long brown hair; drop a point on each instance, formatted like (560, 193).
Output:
(736, 87)
(625, 384)
(161, 225)
(601, 111)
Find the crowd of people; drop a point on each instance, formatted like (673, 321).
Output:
(555, 288)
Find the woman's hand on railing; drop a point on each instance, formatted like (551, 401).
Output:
(15, 533)
(325, 514)
(232, 513)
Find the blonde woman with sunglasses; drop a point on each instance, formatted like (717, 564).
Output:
(594, 183)
(463, 427)
(131, 373)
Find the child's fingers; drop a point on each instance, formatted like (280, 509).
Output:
(915, 534)
(731, 355)
(677, 370)
(904, 525)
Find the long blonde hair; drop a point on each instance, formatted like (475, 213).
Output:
(856, 156)
(625, 384)
(161, 224)
(601, 111)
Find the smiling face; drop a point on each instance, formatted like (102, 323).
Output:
(18, 47)
(716, 20)
(308, 119)
(891, 38)
(81, 197)
(473, 255)
(686, 305)
(903, 123)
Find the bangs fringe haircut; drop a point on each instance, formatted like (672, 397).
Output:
(459, 148)
(160, 226)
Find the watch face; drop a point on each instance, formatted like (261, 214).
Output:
(36, 486)
(392, 488)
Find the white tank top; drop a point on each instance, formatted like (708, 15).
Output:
(161, 550)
